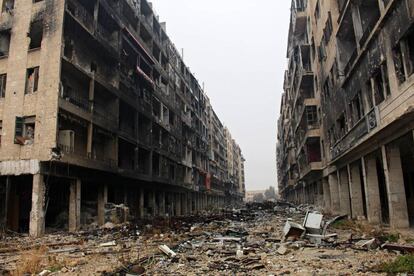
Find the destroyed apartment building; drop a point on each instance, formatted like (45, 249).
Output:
(345, 133)
(98, 107)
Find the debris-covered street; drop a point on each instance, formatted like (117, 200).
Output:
(249, 241)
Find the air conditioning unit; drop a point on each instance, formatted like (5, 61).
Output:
(67, 140)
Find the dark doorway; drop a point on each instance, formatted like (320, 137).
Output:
(20, 203)
(385, 213)
(57, 204)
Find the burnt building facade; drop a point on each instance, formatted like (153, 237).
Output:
(96, 107)
(345, 133)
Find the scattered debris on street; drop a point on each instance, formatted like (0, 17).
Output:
(260, 239)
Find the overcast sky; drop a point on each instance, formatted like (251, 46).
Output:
(238, 49)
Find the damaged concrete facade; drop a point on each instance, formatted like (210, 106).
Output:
(346, 132)
(97, 107)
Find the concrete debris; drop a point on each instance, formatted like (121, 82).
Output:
(398, 247)
(45, 273)
(108, 244)
(368, 244)
(282, 250)
(167, 251)
(116, 214)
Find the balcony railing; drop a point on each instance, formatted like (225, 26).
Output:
(80, 102)
(361, 129)
(79, 12)
(107, 36)
(70, 151)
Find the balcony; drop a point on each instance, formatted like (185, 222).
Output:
(186, 118)
(299, 18)
(309, 159)
(79, 12)
(107, 36)
(364, 126)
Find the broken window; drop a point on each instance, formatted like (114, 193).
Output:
(341, 5)
(322, 49)
(4, 43)
(69, 47)
(369, 12)
(301, 5)
(328, 29)
(156, 108)
(381, 84)
(347, 47)
(3, 80)
(357, 108)
(25, 130)
(8, 6)
(32, 80)
(327, 88)
(36, 34)
(403, 55)
(341, 126)
(311, 116)
(318, 10)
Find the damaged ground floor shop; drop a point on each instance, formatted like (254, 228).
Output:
(47, 201)
(373, 180)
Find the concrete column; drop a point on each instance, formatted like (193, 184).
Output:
(197, 202)
(321, 201)
(75, 205)
(344, 200)
(395, 186)
(190, 203)
(89, 140)
(355, 190)
(184, 204)
(102, 200)
(37, 214)
(171, 199)
(334, 190)
(141, 203)
(326, 194)
(153, 203)
(161, 199)
(178, 205)
(372, 193)
(6, 202)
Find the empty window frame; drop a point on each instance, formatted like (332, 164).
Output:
(318, 10)
(380, 83)
(341, 126)
(328, 29)
(357, 108)
(8, 5)
(32, 80)
(404, 57)
(25, 130)
(35, 34)
(312, 116)
(3, 81)
(4, 43)
(1, 130)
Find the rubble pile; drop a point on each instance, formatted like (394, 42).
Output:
(259, 239)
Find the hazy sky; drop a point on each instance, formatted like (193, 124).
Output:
(238, 49)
